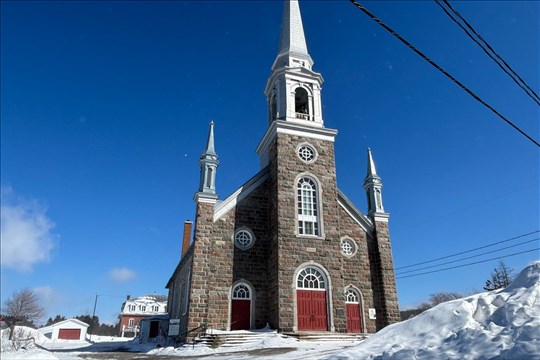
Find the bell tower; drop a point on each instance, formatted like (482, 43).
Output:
(293, 90)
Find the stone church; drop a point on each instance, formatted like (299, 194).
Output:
(287, 248)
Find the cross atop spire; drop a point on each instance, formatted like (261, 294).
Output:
(292, 48)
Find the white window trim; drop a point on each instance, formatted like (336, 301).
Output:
(252, 300)
(315, 152)
(329, 289)
(360, 303)
(320, 218)
(354, 244)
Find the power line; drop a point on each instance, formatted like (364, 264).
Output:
(468, 264)
(447, 74)
(467, 258)
(489, 51)
(467, 251)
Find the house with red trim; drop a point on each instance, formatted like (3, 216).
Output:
(70, 329)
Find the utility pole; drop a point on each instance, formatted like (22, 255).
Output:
(94, 315)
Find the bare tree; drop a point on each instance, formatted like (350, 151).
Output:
(440, 297)
(22, 307)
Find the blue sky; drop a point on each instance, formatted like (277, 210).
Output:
(105, 109)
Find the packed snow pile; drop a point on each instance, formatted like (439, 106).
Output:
(500, 324)
(23, 338)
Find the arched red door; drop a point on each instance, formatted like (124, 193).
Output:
(311, 301)
(354, 311)
(241, 307)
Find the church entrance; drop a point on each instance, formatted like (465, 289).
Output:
(354, 311)
(241, 307)
(311, 301)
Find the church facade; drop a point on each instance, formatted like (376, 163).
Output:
(287, 248)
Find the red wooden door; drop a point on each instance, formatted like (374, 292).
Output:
(354, 318)
(311, 310)
(69, 334)
(241, 314)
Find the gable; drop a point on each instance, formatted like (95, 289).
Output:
(358, 217)
(223, 207)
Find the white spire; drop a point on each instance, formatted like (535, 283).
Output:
(292, 48)
(208, 163)
(371, 171)
(373, 186)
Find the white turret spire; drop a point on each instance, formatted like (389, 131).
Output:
(208, 163)
(373, 186)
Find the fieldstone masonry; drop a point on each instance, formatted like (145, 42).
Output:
(268, 206)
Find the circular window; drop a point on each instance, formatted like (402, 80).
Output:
(243, 239)
(306, 153)
(348, 247)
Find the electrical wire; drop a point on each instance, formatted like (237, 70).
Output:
(467, 258)
(447, 74)
(468, 251)
(489, 51)
(468, 264)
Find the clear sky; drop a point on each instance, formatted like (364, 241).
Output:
(105, 109)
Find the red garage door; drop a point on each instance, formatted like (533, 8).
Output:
(69, 334)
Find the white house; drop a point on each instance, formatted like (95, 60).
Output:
(71, 329)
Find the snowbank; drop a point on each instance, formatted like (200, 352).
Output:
(501, 324)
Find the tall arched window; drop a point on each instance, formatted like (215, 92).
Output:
(308, 214)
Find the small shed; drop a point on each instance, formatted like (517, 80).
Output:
(154, 329)
(70, 329)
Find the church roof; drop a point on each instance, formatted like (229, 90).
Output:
(361, 219)
(223, 207)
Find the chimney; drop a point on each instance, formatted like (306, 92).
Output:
(128, 297)
(187, 236)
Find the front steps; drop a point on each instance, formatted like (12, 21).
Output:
(231, 339)
(329, 337)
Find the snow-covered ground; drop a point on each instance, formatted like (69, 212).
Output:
(496, 325)
(501, 324)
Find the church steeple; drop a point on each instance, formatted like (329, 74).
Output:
(292, 47)
(208, 163)
(373, 186)
(294, 90)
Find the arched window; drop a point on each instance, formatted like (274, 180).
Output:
(241, 291)
(351, 296)
(310, 278)
(308, 215)
(301, 103)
